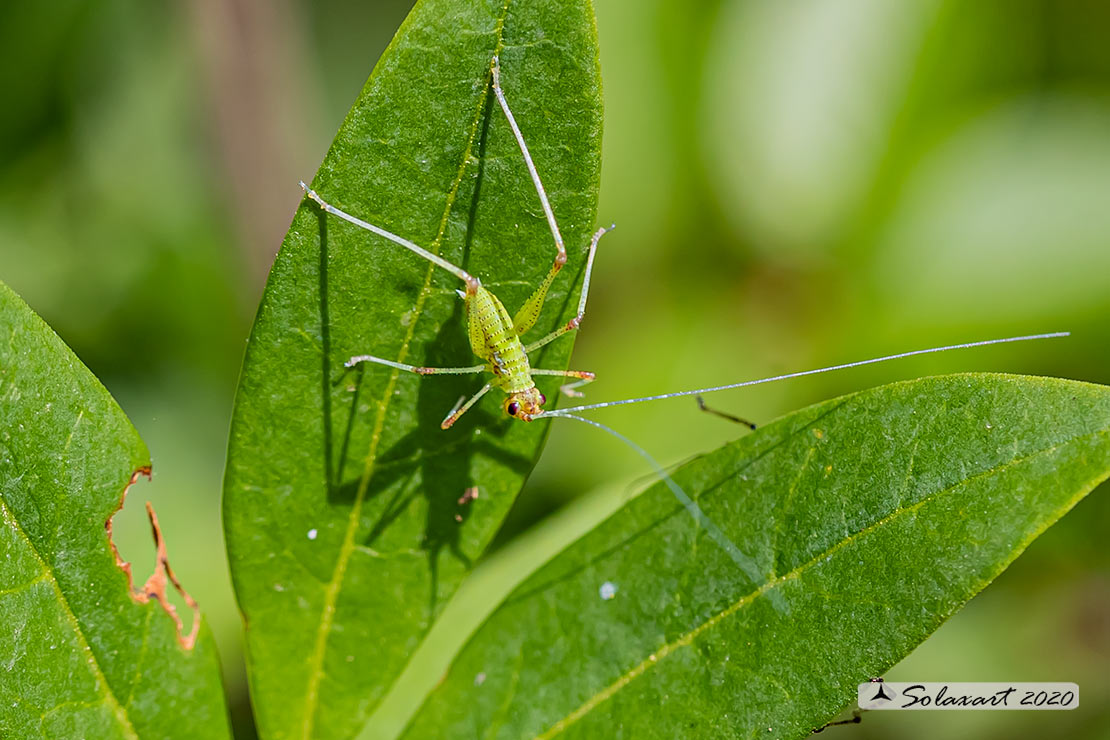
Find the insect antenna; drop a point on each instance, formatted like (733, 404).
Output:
(858, 363)
(746, 564)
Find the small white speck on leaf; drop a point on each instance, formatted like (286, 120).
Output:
(989, 426)
(480, 679)
(312, 534)
(607, 591)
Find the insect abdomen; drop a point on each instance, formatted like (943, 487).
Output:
(493, 338)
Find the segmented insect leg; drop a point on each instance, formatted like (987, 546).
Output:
(458, 411)
(466, 277)
(722, 414)
(561, 257)
(577, 320)
(570, 388)
(413, 368)
(855, 720)
(526, 317)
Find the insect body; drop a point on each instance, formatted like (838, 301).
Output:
(494, 336)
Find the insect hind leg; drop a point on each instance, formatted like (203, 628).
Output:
(530, 311)
(535, 303)
(561, 256)
(471, 281)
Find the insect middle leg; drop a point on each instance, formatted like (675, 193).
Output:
(460, 408)
(357, 359)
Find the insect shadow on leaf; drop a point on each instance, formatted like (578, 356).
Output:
(424, 461)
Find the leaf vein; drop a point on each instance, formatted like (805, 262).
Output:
(23, 586)
(106, 689)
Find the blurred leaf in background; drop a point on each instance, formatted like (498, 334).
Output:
(796, 185)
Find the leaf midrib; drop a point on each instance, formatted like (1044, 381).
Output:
(688, 638)
(48, 574)
(331, 595)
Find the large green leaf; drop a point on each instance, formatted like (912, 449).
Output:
(82, 655)
(869, 520)
(341, 496)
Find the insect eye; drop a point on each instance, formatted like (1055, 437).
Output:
(512, 408)
(543, 399)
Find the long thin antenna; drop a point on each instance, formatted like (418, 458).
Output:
(699, 391)
(746, 564)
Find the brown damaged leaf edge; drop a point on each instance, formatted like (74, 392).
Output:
(155, 586)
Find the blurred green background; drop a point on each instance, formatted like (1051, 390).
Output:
(796, 185)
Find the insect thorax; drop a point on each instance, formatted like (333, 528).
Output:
(494, 339)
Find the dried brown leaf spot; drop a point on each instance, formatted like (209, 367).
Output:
(155, 586)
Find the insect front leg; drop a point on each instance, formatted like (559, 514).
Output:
(461, 408)
(569, 389)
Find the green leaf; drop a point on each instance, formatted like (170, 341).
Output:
(342, 519)
(869, 520)
(82, 655)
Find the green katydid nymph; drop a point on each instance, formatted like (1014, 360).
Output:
(494, 336)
